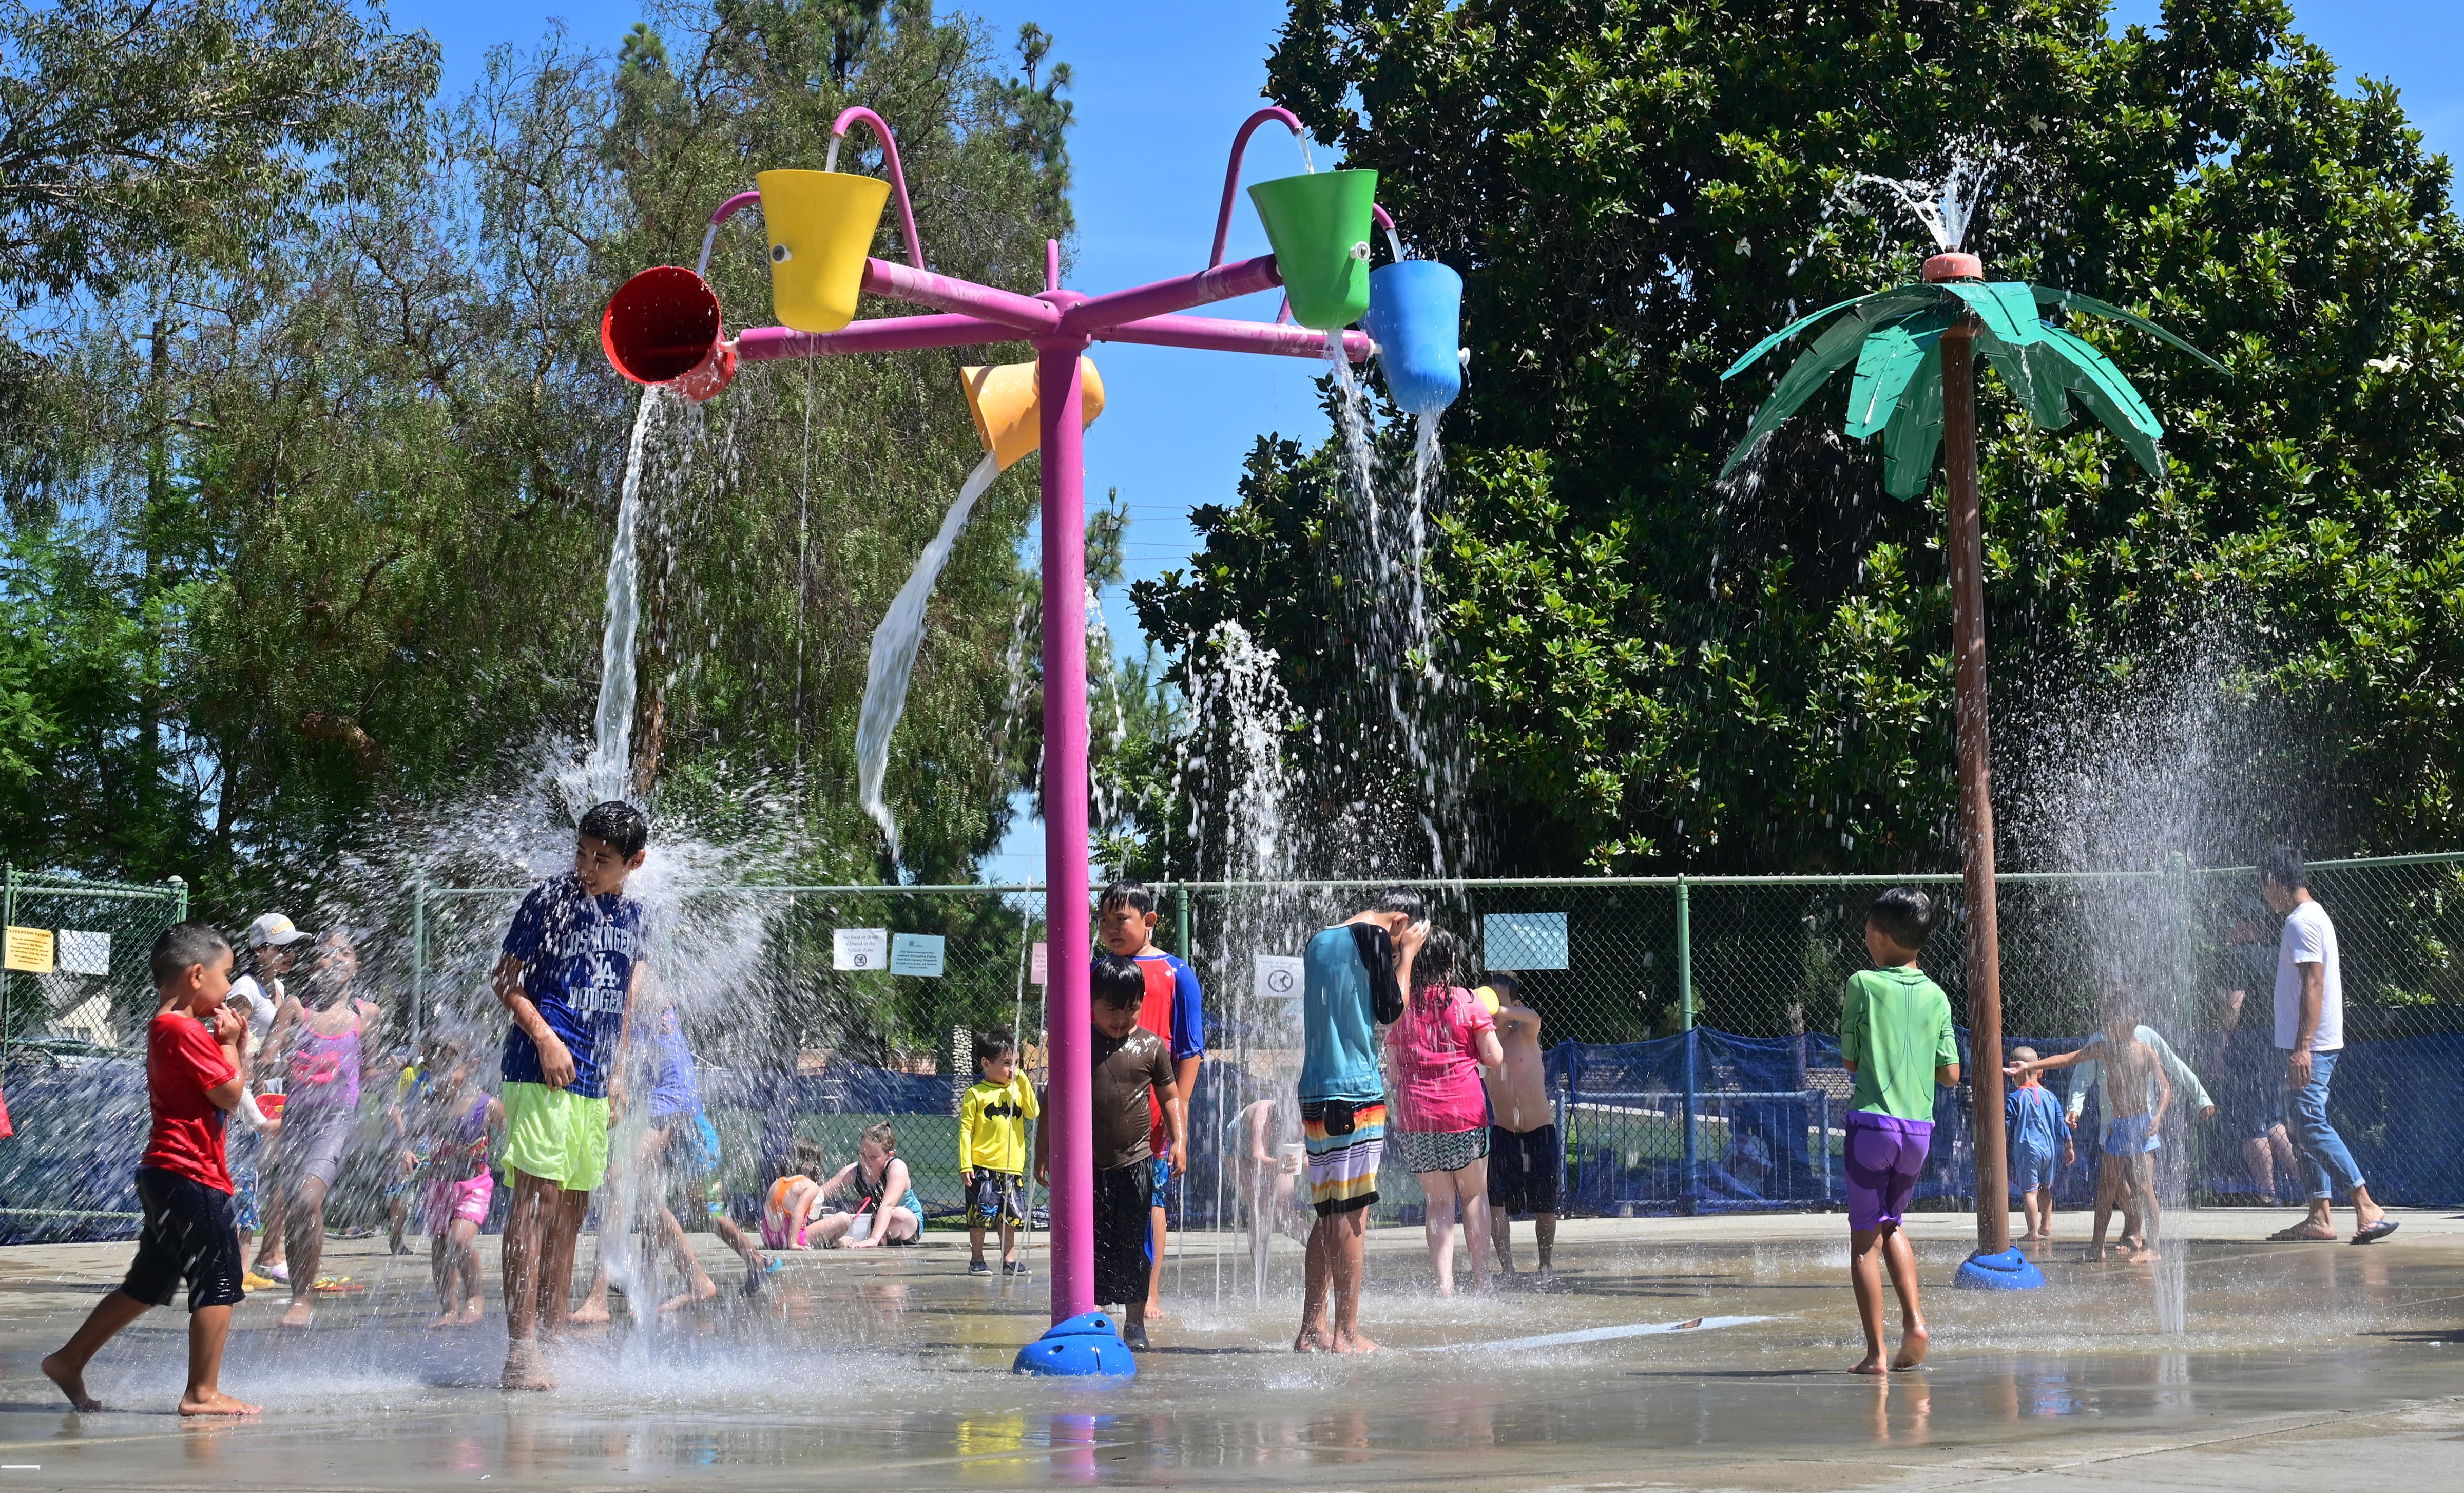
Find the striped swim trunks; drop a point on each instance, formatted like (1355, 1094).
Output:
(1343, 1168)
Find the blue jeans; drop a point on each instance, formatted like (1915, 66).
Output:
(2325, 1164)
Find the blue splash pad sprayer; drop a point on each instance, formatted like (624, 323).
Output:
(2008, 1271)
(1085, 1345)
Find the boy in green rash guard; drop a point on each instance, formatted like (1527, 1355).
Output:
(1895, 1035)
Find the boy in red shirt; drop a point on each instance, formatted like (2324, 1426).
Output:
(192, 1081)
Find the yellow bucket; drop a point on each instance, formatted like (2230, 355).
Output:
(1001, 397)
(821, 225)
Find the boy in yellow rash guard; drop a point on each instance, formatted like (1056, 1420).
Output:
(992, 1149)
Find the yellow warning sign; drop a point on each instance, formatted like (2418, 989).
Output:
(30, 950)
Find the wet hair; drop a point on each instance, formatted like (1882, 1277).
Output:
(618, 825)
(1507, 984)
(881, 1134)
(804, 1158)
(995, 1043)
(1440, 957)
(184, 944)
(1400, 899)
(1905, 915)
(1117, 981)
(2282, 865)
(2024, 1054)
(1135, 895)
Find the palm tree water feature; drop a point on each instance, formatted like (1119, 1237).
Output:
(665, 327)
(1914, 348)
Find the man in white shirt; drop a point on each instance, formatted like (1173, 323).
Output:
(2310, 1031)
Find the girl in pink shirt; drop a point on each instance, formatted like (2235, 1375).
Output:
(1435, 1053)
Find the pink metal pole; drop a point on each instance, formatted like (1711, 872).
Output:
(1215, 333)
(1232, 169)
(1067, 939)
(897, 173)
(947, 292)
(1223, 282)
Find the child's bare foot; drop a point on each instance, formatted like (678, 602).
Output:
(302, 1314)
(1445, 1290)
(216, 1403)
(473, 1312)
(2094, 1254)
(72, 1383)
(523, 1370)
(1871, 1363)
(702, 1290)
(451, 1316)
(1913, 1342)
(1155, 1311)
(591, 1315)
(1311, 1340)
(1353, 1342)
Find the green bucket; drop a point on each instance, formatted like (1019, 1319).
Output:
(1319, 225)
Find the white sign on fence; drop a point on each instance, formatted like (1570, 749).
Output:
(83, 953)
(859, 948)
(1039, 971)
(1279, 976)
(917, 953)
(1524, 940)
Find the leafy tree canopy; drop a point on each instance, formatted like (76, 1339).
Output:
(1658, 670)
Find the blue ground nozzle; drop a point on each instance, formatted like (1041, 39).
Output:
(2008, 1271)
(1084, 1346)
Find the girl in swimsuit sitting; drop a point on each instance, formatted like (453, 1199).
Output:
(887, 1210)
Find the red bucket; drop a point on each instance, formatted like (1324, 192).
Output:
(662, 326)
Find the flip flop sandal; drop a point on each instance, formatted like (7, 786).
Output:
(338, 1286)
(2375, 1232)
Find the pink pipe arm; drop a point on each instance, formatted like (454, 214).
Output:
(1232, 171)
(948, 293)
(1222, 282)
(1215, 333)
(734, 206)
(881, 335)
(897, 176)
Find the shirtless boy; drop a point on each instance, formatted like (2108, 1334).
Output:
(1523, 1149)
(2137, 1093)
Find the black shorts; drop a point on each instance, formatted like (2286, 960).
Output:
(1124, 1246)
(1523, 1169)
(190, 1235)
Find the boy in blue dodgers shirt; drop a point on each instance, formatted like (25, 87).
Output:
(571, 968)
(1172, 1009)
(1895, 1035)
(2036, 1132)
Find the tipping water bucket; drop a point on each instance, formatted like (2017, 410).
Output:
(821, 226)
(1319, 225)
(1008, 420)
(1416, 318)
(662, 326)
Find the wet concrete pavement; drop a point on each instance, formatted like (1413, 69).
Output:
(2301, 1366)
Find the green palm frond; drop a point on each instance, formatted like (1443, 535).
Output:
(1894, 338)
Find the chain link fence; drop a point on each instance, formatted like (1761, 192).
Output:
(1688, 1022)
(78, 983)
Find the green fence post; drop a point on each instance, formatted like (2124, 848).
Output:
(8, 919)
(418, 957)
(180, 895)
(1685, 1022)
(1181, 921)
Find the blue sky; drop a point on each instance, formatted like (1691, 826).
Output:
(1160, 89)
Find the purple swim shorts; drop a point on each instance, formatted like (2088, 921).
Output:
(1883, 1154)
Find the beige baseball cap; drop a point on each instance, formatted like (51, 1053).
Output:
(273, 929)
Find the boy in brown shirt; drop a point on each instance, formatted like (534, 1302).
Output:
(1128, 1067)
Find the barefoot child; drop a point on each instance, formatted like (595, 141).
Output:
(194, 1080)
(447, 1133)
(1435, 1052)
(992, 1149)
(1128, 1069)
(794, 1201)
(1172, 1009)
(1895, 1035)
(2036, 1132)
(324, 1034)
(2136, 1093)
(571, 967)
(1523, 1144)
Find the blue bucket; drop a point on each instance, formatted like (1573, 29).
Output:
(1416, 318)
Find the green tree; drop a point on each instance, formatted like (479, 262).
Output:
(1663, 671)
